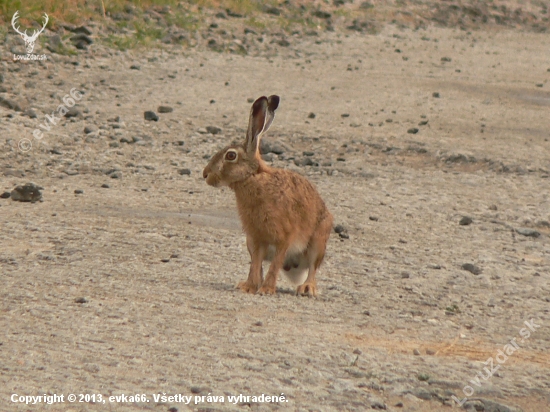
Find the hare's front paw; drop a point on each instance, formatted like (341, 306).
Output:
(247, 287)
(267, 290)
(307, 289)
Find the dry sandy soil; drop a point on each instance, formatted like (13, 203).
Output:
(130, 288)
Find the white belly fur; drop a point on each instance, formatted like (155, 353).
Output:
(298, 275)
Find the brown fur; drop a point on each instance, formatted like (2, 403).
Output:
(278, 208)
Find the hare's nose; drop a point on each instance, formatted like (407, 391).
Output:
(205, 173)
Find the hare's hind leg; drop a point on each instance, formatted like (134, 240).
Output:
(315, 255)
(257, 252)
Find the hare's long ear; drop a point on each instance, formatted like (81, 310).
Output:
(261, 117)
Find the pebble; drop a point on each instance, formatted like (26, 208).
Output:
(151, 116)
(81, 300)
(339, 229)
(528, 232)
(78, 191)
(90, 129)
(471, 268)
(344, 115)
(373, 218)
(213, 129)
(465, 221)
(105, 186)
(135, 67)
(165, 109)
(184, 172)
(416, 352)
(436, 95)
(5, 195)
(311, 115)
(28, 192)
(266, 147)
(116, 175)
(304, 161)
(73, 112)
(412, 130)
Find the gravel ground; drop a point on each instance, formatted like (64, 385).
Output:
(121, 279)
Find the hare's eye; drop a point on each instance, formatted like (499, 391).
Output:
(231, 155)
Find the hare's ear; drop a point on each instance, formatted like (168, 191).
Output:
(261, 117)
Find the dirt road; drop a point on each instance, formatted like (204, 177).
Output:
(130, 288)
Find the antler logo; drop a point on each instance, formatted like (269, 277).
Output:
(29, 40)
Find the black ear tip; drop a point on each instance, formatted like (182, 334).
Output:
(273, 102)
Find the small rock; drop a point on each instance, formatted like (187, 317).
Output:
(81, 300)
(308, 153)
(266, 147)
(151, 116)
(405, 275)
(213, 129)
(357, 351)
(344, 115)
(10, 104)
(493, 207)
(527, 232)
(116, 175)
(184, 172)
(31, 113)
(311, 115)
(430, 352)
(90, 129)
(471, 268)
(373, 218)
(339, 229)
(165, 109)
(82, 29)
(105, 186)
(135, 67)
(465, 221)
(283, 43)
(81, 38)
(304, 161)
(29, 192)
(5, 195)
(423, 377)
(423, 123)
(250, 100)
(73, 112)
(446, 59)
(436, 95)
(416, 352)
(78, 191)
(343, 235)
(412, 130)
(273, 10)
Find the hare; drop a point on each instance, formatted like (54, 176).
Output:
(284, 218)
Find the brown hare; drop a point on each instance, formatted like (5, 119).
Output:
(284, 218)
